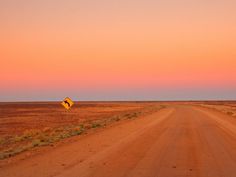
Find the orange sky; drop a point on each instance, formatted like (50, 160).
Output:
(117, 50)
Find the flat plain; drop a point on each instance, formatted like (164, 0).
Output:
(145, 139)
(24, 126)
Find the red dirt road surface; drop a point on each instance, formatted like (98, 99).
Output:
(177, 141)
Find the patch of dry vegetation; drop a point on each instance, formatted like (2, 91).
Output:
(227, 108)
(31, 138)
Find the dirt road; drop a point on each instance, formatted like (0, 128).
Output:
(178, 141)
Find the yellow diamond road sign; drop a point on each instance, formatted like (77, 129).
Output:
(67, 103)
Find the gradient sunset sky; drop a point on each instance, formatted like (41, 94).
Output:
(117, 50)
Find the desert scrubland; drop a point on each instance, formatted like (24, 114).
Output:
(116, 139)
(28, 125)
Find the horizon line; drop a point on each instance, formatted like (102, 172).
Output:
(191, 100)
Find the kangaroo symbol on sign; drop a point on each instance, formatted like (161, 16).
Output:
(67, 102)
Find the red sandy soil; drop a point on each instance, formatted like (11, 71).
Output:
(15, 118)
(24, 126)
(225, 107)
(177, 141)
